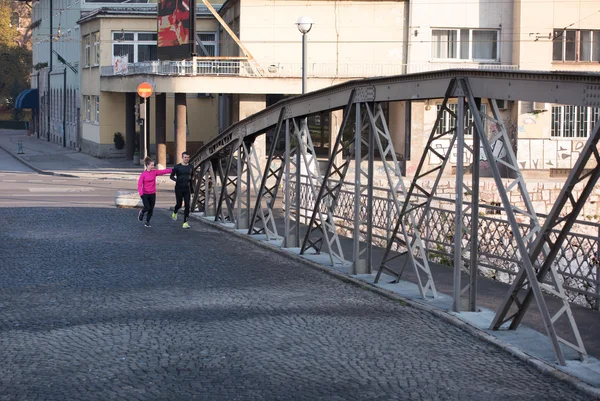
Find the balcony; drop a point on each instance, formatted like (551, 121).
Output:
(245, 68)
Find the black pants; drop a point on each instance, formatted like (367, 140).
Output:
(148, 200)
(182, 194)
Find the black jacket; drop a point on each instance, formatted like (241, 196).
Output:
(183, 175)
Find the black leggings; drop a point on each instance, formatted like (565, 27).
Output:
(149, 200)
(182, 194)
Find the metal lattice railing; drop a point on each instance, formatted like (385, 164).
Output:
(577, 262)
(288, 70)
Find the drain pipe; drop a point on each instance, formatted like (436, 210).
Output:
(406, 47)
(49, 96)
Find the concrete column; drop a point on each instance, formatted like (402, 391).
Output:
(335, 123)
(248, 105)
(161, 129)
(401, 129)
(129, 125)
(180, 125)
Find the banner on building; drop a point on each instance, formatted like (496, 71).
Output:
(176, 29)
(120, 64)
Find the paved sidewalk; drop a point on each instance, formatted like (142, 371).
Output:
(525, 343)
(49, 158)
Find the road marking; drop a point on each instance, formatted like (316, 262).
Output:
(61, 189)
(9, 180)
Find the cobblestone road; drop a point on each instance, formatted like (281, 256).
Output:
(93, 306)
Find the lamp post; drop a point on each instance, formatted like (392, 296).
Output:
(304, 25)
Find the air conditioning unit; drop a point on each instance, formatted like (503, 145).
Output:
(502, 104)
(204, 95)
(537, 106)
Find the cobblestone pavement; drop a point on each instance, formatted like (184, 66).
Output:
(94, 306)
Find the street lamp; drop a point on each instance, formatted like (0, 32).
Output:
(304, 25)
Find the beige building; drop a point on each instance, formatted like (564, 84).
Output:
(107, 33)
(260, 70)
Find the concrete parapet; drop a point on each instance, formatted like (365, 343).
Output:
(128, 199)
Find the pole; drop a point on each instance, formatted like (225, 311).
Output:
(65, 108)
(49, 71)
(304, 62)
(143, 147)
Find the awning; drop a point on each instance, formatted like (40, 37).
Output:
(28, 99)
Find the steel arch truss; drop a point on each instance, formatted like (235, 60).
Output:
(560, 215)
(266, 186)
(307, 170)
(233, 186)
(524, 242)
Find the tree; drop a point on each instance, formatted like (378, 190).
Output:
(15, 64)
(8, 32)
(15, 61)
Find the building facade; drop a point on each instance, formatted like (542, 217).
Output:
(254, 60)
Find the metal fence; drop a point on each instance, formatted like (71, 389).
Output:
(290, 70)
(577, 261)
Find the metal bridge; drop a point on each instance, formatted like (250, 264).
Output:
(232, 185)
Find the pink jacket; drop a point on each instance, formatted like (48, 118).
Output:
(147, 181)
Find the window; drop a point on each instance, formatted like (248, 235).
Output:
(86, 52)
(88, 108)
(573, 121)
(576, 45)
(96, 48)
(206, 44)
(137, 46)
(465, 44)
(448, 121)
(96, 109)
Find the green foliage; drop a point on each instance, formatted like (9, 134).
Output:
(17, 115)
(442, 258)
(8, 33)
(119, 140)
(15, 64)
(39, 66)
(15, 61)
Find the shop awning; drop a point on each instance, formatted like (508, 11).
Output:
(28, 99)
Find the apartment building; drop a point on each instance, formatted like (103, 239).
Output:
(559, 36)
(498, 35)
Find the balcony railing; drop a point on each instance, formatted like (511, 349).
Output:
(245, 68)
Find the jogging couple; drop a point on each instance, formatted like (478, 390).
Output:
(182, 174)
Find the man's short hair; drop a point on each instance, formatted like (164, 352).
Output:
(184, 153)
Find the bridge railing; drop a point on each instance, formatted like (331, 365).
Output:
(576, 262)
(288, 70)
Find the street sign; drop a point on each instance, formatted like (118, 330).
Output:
(144, 90)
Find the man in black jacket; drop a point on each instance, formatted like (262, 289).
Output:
(183, 174)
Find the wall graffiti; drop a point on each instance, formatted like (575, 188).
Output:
(544, 154)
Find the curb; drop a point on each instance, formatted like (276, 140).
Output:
(34, 168)
(532, 361)
(45, 172)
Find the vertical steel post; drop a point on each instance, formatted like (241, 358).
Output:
(474, 250)
(369, 219)
(248, 152)
(357, 190)
(299, 145)
(287, 242)
(458, 214)
(239, 213)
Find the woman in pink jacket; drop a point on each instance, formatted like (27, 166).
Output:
(147, 189)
